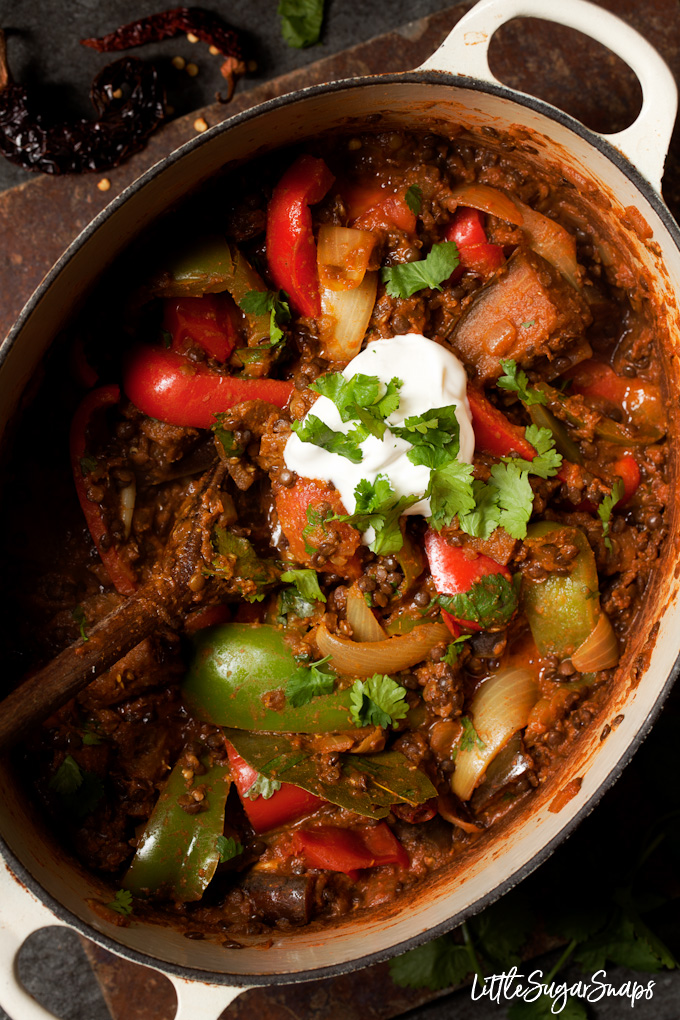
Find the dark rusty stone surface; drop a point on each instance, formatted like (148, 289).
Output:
(43, 215)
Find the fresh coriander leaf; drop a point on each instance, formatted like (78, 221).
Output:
(315, 431)
(88, 464)
(291, 602)
(68, 778)
(377, 701)
(122, 902)
(483, 520)
(262, 787)
(301, 21)
(166, 339)
(547, 461)
(502, 929)
(226, 437)
(378, 507)
(515, 380)
(90, 738)
(515, 497)
(490, 602)
(451, 493)
(414, 198)
(406, 278)
(361, 399)
(315, 519)
(436, 965)
(272, 302)
(469, 737)
(434, 436)
(306, 582)
(310, 683)
(453, 651)
(236, 558)
(78, 615)
(604, 510)
(228, 848)
(529, 322)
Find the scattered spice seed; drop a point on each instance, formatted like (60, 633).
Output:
(192, 70)
(214, 51)
(179, 63)
(195, 22)
(104, 184)
(200, 124)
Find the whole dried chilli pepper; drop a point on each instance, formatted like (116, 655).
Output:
(205, 25)
(130, 104)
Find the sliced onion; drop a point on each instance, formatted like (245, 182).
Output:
(489, 200)
(128, 496)
(343, 254)
(345, 315)
(600, 650)
(363, 658)
(552, 242)
(500, 708)
(364, 625)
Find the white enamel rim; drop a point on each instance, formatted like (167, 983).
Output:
(38, 889)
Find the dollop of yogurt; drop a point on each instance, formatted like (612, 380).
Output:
(431, 377)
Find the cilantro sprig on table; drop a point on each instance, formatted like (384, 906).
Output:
(377, 701)
(405, 279)
(301, 21)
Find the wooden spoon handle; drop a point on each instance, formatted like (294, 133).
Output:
(44, 692)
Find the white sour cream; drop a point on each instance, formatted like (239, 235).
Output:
(432, 377)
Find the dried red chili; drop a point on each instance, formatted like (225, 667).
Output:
(205, 25)
(130, 104)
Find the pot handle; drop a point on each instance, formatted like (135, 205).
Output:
(645, 142)
(22, 914)
(195, 999)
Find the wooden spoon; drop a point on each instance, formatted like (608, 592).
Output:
(163, 600)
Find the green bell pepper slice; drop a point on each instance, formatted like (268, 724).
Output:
(211, 265)
(235, 666)
(178, 853)
(562, 610)
(606, 428)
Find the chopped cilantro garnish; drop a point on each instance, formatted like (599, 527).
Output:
(68, 777)
(315, 431)
(228, 848)
(315, 519)
(78, 615)
(301, 21)
(516, 381)
(604, 510)
(470, 738)
(377, 701)
(514, 496)
(88, 464)
(306, 582)
(454, 649)
(378, 507)
(529, 322)
(226, 437)
(310, 683)
(361, 399)
(490, 602)
(262, 787)
(261, 302)
(434, 436)
(80, 791)
(414, 198)
(122, 902)
(406, 278)
(451, 493)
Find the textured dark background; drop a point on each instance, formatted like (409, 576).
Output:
(44, 53)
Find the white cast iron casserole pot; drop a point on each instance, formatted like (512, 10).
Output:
(39, 885)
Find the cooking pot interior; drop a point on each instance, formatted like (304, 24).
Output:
(493, 863)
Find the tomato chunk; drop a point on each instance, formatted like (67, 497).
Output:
(300, 510)
(286, 805)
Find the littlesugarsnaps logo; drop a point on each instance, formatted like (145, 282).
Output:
(513, 985)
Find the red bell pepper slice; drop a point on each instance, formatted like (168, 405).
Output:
(121, 573)
(209, 321)
(639, 398)
(349, 850)
(372, 208)
(494, 434)
(207, 616)
(474, 250)
(291, 249)
(455, 569)
(626, 468)
(286, 805)
(173, 389)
